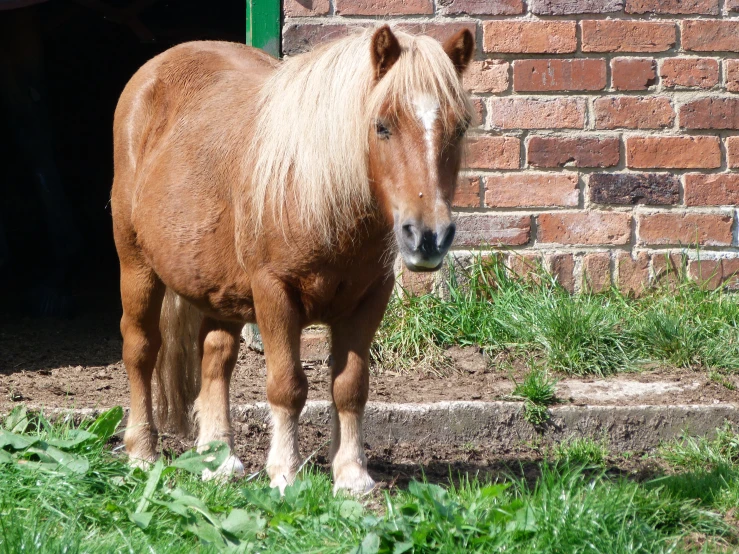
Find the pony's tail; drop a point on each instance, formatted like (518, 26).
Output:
(178, 364)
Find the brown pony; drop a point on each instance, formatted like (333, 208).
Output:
(252, 190)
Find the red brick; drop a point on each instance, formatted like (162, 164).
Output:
(707, 7)
(541, 113)
(632, 273)
(730, 272)
(467, 194)
(673, 152)
(474, 230)
(529, 37)
(617, 35)
(479, 105)
(633, 73)
(486, 76)
(710, 35)
(480, 7)
(689, 72)
(300, 37)
(710, 113)
(416, 283)
(633, 112)
(518, 190)
(587, 228)
(551, 75)
(569, 7)
(732, 75)
(685, 229)
(634, 188)
(315, 345)
(384, 7)
(707, 272)
(718, 189)
(732, 152)
(525, 266)
(306, 8)
(732, 5)
(596, 272)
(577, 152)
(667, 268)
(562, 267)
(485, 152)
(438, 31)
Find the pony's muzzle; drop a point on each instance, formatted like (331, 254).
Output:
(423, 249)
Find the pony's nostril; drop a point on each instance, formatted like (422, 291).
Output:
(411, 236)
(446, 237)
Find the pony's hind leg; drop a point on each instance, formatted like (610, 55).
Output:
(141, 296)
(350, 343)
(219, 344)
(287, 385)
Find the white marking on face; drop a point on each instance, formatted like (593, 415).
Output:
(427, 111)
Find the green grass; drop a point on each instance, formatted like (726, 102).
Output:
(677, 324)
(538, 391)
(581, 451)
(63, 490)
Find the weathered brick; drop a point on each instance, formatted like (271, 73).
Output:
(633, 73)
(300, 37)
(480, 7)
(617, 35)
(707, 272)
(485, 152)
(586, 228)
(467, 194)
(673, 152)
(577, 152)
(475, 230)
(732, 5)
(479, 106)
(634, 188)
(486, 76)
(384, 7)
(632, 273)
(667, 268)
(685, 228)
(732, 152)
(306, 8)
(718, 189)
(438, 31)
(541, 113)
(529, 37)
(417, 283)
(732, 75)
(710, 35)
(689, 72)
(518, 190)
(556, 74)
(562, 267)
(710, 113)
(524, 265)
(706, 7)
(633, 112)
(569, 7)
(730, 272)
(596, 272)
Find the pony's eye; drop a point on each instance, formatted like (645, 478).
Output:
(382, 131)
(462, 128)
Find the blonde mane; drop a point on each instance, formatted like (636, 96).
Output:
(311, 141)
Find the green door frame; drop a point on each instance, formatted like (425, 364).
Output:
(263, 25)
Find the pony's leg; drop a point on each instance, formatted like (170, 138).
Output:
(287, 385)
(219, 344)
(350, 343)
(141, 296)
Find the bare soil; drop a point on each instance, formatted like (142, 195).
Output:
(77, 364)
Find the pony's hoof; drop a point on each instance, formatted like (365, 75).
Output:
(143, 464)
(280, 479)
(354, 479)
(231, 468)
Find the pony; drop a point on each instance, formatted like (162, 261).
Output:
(248, 189)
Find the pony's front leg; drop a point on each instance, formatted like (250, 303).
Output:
(287, 385)
(219, 344)
(351, 339)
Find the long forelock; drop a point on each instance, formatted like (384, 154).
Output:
(310, 145)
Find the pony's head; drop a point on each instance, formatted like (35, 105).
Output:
(420, 114)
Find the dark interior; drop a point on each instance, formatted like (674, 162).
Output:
(88, 49)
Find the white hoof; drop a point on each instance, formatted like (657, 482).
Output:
(141, 463)
(354, 479)
(280, 479)
(231, 468)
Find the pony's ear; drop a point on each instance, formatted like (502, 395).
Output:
(460, 49)
(385, 51)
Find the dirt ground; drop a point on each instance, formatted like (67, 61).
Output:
(77, 363)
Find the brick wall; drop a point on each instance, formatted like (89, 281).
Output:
(609, 135)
